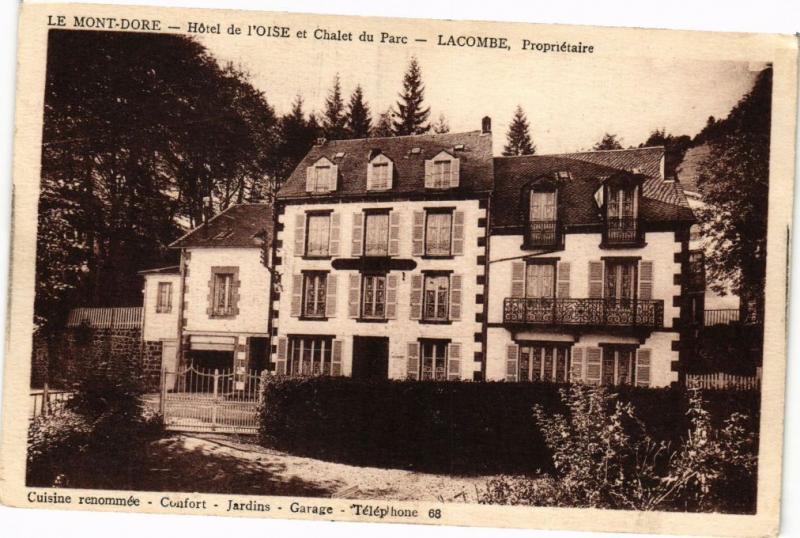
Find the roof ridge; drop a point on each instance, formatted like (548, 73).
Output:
(398, 136)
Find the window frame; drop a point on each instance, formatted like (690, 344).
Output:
(312, 215)
(295, 348)
(376, 213)
(229, 308)
(437, 304)
(374, 276)
(435, 344)
(450, 212)
(318, 189)
(320, 281)
(165, 307)
(552, 263)
(527, 351)
(631, 349)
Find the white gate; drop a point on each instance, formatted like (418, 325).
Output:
(204, 400)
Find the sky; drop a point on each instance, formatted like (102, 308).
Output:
(570, 100)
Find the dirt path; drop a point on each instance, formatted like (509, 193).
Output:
(221, 464)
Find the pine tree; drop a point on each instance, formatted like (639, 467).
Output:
(334, 119)
(441, 126)
(297, 135)
(609, 141)
(359, 121)
(518, 136)
(412, 115)
(384, 126)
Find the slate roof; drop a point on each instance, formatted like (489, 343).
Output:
(409, 165)
(241, 225)
(662, 201)
(171, 270)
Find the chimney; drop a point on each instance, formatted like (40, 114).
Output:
(486, 125)
(321, 141)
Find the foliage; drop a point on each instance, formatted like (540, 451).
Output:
(449, 426)
(296, 136)
(604, 457)
(359, 120)
(412, 115)
(138, 129)
(334, 119)
(441, 126)
(675, 148)
(518, 136)
(734, 180)
(383, 128)
(609, 141)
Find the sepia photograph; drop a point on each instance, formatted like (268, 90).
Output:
(360, 265)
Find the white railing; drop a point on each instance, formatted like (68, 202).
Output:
(47, 401)
(721, 380)
(106, 318)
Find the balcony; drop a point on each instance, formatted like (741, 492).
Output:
(583, 312)
(622, 231)
(542, 234)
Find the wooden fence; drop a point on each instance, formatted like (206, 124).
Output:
(47, 401)
(721, 316)
(106, 318)
(721, 380)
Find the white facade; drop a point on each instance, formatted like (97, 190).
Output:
(344, 321)
(160, 318)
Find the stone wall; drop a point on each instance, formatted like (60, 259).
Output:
(66, 357)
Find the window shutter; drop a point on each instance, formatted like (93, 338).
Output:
(455, 166)
(358, 234)
(391, 296)
(280, 362)
(353, 296)
(336, 358)
(643, 367)
(562, 291)
(576, 371)
(429, 173)
(330, 296)
(390, 172)
(416, 297)
(453, 361)
(455, 297)
(512, 355)
(645, 280)
(394, 233)
(458, 233)
(594, 362)
(297, 295)
(300, 234)
(595, 280)
(336, 222)
(310, 179)
(517, 279)
(333, 178)
(412, 360)
(418, 233)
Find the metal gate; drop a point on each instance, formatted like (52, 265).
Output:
(204, 400)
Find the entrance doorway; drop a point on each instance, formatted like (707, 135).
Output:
(370, 357)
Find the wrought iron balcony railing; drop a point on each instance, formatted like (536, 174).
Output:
(622, 230)
(584, 312)
(542, 233)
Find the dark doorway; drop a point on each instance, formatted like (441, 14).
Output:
(370, 357)
(258, 353)
(211, 360)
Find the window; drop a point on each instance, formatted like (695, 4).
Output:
(438, 233)
(374, 297)
(620, 202)
(620, 285)
(164, 298)
(321, 178)
(434, 360)
(440, 175)
(543, 206)
(223, 294)
(310, 355)
(314, 294)
(540, 280)
(618, 365)
(546, 361)
(380, 176)
(377, 234)
(319, 234)
(437, 291)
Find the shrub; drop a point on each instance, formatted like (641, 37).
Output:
(604, 457)
(452, 427)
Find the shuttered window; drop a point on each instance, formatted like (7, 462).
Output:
(436, 295)
(319, 233)
(440, 175)
(540, 280)
(223, 294)
(544, 361)
(377, 234)
(314, 294)
(438, 231)
(310, 355)
(618, 365)
(164, 298)
(380, 176)
(321, 178)
(374, 297)
(433, 365)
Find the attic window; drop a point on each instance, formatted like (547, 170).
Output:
(339, 155)
(379, 173)
(321, 176)
(459, 147)
(442, 172)
(415, 151)
(563, 175)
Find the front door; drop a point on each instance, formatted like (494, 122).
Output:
(370, 357)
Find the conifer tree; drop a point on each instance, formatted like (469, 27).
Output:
(412, 115)
(334, 118)
(519, 136)
(359, 121)
(441, 126)
(384, 126)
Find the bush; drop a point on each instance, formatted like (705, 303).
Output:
(450, 427)
(605, 458)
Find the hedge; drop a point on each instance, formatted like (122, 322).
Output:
(451, 427)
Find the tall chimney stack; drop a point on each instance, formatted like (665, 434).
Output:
(486, 125)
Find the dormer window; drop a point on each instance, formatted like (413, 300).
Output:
(621, 199)
(541, 198)
(321, 176)
(379, 173)
(442, 172)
